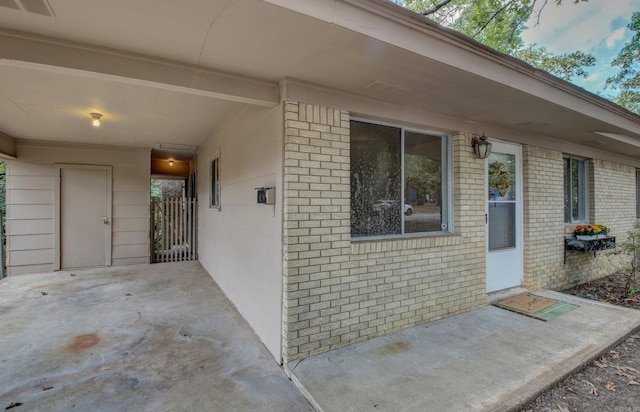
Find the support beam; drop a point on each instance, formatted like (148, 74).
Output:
(19, 49)
(7, 146)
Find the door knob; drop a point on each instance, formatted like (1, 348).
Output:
(105, 220)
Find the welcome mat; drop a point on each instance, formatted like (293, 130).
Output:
(535, 306)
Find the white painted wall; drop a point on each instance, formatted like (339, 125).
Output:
(30, 203)
(241, 244)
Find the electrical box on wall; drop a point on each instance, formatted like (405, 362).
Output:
(266, 195)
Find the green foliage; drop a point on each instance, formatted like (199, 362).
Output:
(3, 182)
(627, 80)
(156, 190)
(564, 66)
(423, 173)
(499, 24)
(3, 187)
(631, 247)
(499, 177)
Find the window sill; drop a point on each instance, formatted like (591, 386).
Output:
(377, 244)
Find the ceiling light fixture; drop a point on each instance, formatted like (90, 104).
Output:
(96, 119)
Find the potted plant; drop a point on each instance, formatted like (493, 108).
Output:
(591, 231)
(499, 179)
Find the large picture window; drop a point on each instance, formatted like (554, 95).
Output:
(214, 189)
(399, 181)
(575, 190)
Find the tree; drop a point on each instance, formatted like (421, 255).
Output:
(627, 80)
(564, 66)
(424, 174)
(499, 24)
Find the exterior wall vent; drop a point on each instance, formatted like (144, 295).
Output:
(533, 125)
(385, 88)
(41, 7)
(176, 146)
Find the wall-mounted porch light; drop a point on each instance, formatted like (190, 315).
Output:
(170, 162)
(481, 146)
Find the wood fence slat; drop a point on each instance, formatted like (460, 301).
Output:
(174, 229)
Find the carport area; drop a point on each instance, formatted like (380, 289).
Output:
(149, 338)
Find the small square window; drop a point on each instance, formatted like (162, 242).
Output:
(214, 188)
(575, 190)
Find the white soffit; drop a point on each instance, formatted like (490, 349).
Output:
(364, 48)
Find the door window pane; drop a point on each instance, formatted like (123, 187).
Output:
(502, 225)
(502, 177)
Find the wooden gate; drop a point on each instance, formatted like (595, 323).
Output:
(174, 226)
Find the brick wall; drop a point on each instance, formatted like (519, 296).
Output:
(611, 202)
(543, 210)
(337, 292)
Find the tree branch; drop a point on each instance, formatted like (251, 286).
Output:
(436, 7)
(493, 17)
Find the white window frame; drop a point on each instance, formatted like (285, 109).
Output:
(584, 186)
(214, 182)
(447, 180)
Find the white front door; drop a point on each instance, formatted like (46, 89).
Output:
(84, 216)
(504, 217)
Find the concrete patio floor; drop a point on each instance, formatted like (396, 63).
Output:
(146, 338)
(488, 359)
(165, 338)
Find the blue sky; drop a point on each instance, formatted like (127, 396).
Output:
(597, 27)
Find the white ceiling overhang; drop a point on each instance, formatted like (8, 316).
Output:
(173, 71)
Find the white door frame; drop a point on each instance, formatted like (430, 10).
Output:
(517, 254)
(57, 209)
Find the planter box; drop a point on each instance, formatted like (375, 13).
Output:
(590, 237)
(592, 244)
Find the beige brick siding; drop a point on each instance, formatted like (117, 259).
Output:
(543, 210)
(338, 292)
(611, 201)
(614, 204)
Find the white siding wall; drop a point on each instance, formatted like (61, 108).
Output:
(241, 245)
(30, 203)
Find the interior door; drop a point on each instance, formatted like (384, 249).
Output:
(504, 217)
(85, 216)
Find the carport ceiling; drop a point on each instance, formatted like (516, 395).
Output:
(249, 38)
(42, 105)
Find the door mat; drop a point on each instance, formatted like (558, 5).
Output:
(535, 306)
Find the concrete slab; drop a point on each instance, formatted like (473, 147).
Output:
(147, 338)
(489, 359)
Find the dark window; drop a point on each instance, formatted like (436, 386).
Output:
(398, 181)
